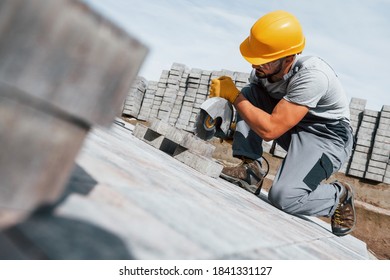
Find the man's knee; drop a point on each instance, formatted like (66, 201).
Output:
(277, 197)
(284, 199)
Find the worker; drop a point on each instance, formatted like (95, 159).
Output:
(300, 103)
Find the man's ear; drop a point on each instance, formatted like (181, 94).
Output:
(290, 58)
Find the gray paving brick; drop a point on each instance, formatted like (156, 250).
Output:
(177, 73)
(367, 126)
(384, 121)
(178, 66)
(359, 157)
(355, 112)
(366, 136)
(195, 73)
(200, 163)
(381, 145)
(365, 130)
(374, 177)
(204, 80)
(242, 77)
(356, 173)
(371, 113)
(383, 126)
(377, 164)
(382, 139)
(386, 108)
(145, 134)
(358, 166)
(369, 119)
(358, 101)
(384, 133)
(376, 170)
(182, 138)
(385, 114)
(362, 142)
(381, 155)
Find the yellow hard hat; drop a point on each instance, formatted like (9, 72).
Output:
(275, 35)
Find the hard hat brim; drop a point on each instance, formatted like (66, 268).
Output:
(249, 56)
(254, 58)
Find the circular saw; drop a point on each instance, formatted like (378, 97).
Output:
(215, 119)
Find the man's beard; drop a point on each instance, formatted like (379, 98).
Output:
(262, 75)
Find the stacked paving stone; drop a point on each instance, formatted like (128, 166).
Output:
(356, 108)
(201, 92)
(384, 136)
(147, 102)
(370, 159)
(187, 115)
(380, 154)
(180, 144)
(241, 79)
(364, 141)
(176, 99)
(170, 92)
(182, 72)
(133, 101)
(157, 101)
(177, 96)
(386, 178)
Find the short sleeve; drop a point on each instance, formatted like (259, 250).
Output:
(307, 87)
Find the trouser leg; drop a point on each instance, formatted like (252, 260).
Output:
(312, 156)
(245, 141)
(297, 187)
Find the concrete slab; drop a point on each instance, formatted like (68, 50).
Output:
(180, 144)
(213, 218)
(160, 208)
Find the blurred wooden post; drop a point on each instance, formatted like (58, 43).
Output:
(63, 69)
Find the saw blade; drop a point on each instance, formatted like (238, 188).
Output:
(205, 126)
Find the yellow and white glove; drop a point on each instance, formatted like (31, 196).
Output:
(224, 87)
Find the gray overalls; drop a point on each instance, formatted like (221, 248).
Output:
(316, 148)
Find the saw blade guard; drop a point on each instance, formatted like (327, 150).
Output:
(215, 118)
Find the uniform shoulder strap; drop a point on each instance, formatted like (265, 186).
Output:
(299, 63)
(297, 66)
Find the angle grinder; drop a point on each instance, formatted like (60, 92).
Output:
(215, 119)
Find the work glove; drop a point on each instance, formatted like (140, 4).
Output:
(224, 87)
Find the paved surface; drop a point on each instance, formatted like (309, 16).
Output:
(128, 200)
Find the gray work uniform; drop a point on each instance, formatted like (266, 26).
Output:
(316, 147)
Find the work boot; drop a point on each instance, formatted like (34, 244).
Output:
(248, 175)
(344, 218)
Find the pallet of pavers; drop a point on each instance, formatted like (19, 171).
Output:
(181, 145)
(364, 142)
(380, 154)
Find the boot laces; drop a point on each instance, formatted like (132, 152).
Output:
(338, 217)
